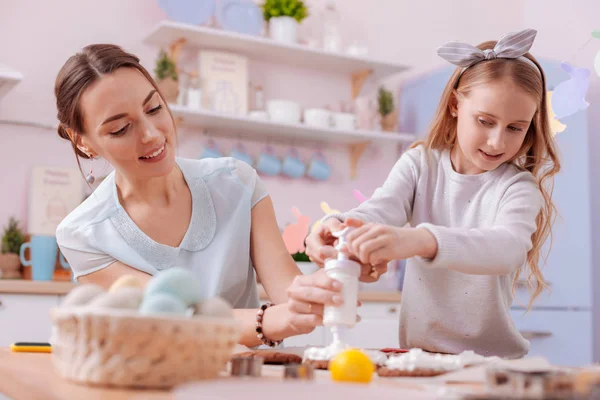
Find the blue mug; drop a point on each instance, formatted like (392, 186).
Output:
(268, 163)
(318, 168)
(240, 153)
(292, 165)
(211, 151)
(43, 251)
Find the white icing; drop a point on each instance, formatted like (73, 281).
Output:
(417, 359)
(327, 353)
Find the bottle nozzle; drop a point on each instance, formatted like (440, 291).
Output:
(341, 235)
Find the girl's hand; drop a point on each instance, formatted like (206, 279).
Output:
(320, 242)
(377, 244)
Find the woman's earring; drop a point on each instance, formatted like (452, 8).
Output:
(90, 178)
(454, 114)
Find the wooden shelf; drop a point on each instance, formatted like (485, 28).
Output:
(8, 79)
(241, 126)
(264, 49)
(24, 286)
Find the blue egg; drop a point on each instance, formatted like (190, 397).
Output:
(162, 303)
(176, 281)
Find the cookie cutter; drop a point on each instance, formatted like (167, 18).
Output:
(543, 384)
(299, 371)
(246, 366)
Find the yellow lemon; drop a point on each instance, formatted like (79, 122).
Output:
(351, 365)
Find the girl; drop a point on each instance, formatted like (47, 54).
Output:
(476, 195)
(156, 210)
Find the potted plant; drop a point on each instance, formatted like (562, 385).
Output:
(304, 264)
(166, 77)
(387, 111)
(12, 239)
(283, 17)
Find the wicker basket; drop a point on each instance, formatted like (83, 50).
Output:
(126, 349)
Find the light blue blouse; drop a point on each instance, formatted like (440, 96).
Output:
(216, 246)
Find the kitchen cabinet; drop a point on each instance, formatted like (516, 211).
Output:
(25, 317)
(378, 328)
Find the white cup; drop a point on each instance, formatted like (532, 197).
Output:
(284, 111)
(346, 121)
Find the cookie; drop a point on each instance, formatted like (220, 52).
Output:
(272, 357)
(318, 364)
(394, 373)
(391, 350)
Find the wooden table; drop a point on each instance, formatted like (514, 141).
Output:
(23, 286)
(26, 376)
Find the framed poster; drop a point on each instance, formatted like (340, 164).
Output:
(53, 193)
(224, 82)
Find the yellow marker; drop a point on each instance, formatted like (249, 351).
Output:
(31, 347)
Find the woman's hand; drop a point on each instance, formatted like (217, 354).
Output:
(377, 243)
(307, 297)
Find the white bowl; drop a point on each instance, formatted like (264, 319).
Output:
(317, 117)
(285, 111)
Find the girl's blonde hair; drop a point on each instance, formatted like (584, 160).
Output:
(537, 155)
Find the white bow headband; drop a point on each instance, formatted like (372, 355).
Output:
(511, 45)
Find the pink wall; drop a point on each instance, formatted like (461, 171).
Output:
(37, 37)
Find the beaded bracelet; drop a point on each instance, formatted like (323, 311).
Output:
(259, 327)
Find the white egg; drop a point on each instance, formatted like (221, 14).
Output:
(178, 282)
(162, 303)
(125, 298)
(214, 307)
(125, 281)
(82, 294)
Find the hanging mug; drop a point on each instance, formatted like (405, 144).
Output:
(239, 152)
(293, 165)
(268, 163)
(211, 150)
(318, 168)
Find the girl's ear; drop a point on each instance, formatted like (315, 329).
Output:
(453, 104)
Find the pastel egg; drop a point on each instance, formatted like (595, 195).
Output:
(176, 281)
(125, 281)
(214, 307)
(162, 303)
(82, 294)
(126, 298)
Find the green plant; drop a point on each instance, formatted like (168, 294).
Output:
(13, 237)
(300, 257)
(386, 101)
(284, 8)
(165, 67)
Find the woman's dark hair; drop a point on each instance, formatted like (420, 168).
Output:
(77, 74)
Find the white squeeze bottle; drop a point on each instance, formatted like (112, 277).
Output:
(347, 272)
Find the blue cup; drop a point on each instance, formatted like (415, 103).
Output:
(240, 153)
(268, 163)
(43, 251)
(318, 168)
(292, 165)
